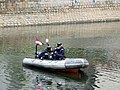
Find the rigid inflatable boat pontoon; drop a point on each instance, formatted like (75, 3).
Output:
(68, 63)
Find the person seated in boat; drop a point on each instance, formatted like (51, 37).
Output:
(47, 53)
(59, 52)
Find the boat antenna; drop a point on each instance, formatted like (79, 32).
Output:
(47, 40)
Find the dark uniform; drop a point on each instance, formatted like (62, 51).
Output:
(59, 52)
(47, 54)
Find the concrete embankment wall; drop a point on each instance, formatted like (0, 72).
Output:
(81, 14)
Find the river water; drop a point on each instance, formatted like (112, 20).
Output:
(99, 43)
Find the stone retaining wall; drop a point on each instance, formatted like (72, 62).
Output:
(63, 16)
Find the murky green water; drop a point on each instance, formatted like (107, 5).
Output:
(99, 43)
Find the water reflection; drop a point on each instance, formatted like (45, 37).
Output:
(108, 75)
(21, 78)
(10, 75)
(55, 81)
(74, 35)
(98, 43)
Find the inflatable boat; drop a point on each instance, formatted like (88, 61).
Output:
(69, 64)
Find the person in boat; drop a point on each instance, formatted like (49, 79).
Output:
(47, 54)
(59, 52)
